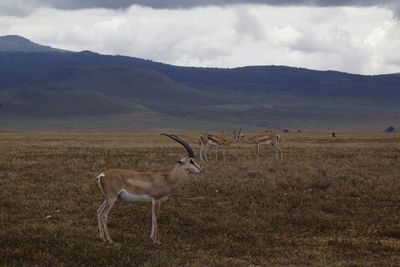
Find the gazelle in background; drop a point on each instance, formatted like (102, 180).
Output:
(219, 141)
(264, 139)
(133, 186)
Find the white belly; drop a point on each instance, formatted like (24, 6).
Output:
(211, 142)
(125, 196)
(266, 143)
(134, 198)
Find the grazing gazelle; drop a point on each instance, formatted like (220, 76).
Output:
(219, 141)
(132, 186)
(264, 139)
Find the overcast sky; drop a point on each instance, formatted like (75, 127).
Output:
(357, 36)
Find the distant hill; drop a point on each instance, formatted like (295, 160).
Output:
(16, 43)
(119, 92)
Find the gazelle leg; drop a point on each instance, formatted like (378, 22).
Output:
(205, 152)
(216, 153)
(223, 153)
(104, 216)
(280, 151)
(155, 214)
(100, 222)
(275, 151)
(202, 151)
(258, 151)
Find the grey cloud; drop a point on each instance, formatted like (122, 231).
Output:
(397, 12)
(249, 25)
(172, 4)
(73, 4)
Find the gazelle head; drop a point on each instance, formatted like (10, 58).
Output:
(188, 164)
(238, 135)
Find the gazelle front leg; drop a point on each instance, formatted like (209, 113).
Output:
(205, 152)
(223, 153)
(202, 151)
(155, 214)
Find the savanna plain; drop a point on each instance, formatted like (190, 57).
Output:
(331, 202)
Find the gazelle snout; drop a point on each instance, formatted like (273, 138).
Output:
(195, 167)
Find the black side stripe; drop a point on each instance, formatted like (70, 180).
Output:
(212, 139)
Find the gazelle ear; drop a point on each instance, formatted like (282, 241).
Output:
(181, 161)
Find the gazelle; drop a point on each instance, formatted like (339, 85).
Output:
(219, 141)
(264, 139)
(133, 186)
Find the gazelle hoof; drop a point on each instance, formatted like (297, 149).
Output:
(116, 245)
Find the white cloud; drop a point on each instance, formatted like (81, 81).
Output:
(361, 40)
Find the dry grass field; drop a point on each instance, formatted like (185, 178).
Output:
(332, 202)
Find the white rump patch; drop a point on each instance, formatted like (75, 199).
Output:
(133, 197)
(100, 175)
(266, 142)
(98, 181)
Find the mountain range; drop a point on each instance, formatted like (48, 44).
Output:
(45, 88)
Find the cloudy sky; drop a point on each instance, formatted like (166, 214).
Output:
(357, 36)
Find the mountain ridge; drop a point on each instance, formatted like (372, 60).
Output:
(256, 97)
(15, 43)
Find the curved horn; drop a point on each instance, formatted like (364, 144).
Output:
(183, 143)
(239, 132)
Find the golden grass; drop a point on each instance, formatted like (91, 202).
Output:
(331, 202)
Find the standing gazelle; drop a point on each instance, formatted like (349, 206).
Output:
(132, 186)
(219, 141)
(264, 139)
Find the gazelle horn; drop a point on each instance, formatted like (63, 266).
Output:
(183, 143)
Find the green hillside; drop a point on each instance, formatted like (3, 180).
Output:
(89, 91)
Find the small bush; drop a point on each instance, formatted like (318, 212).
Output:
(390, 129)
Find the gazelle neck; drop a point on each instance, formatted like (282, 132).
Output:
(230, 140)
(246, 140)
(177, 175)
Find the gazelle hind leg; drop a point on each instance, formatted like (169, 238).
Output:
(280, 151)
(100, 221)
(275, 150)
(104, 217)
